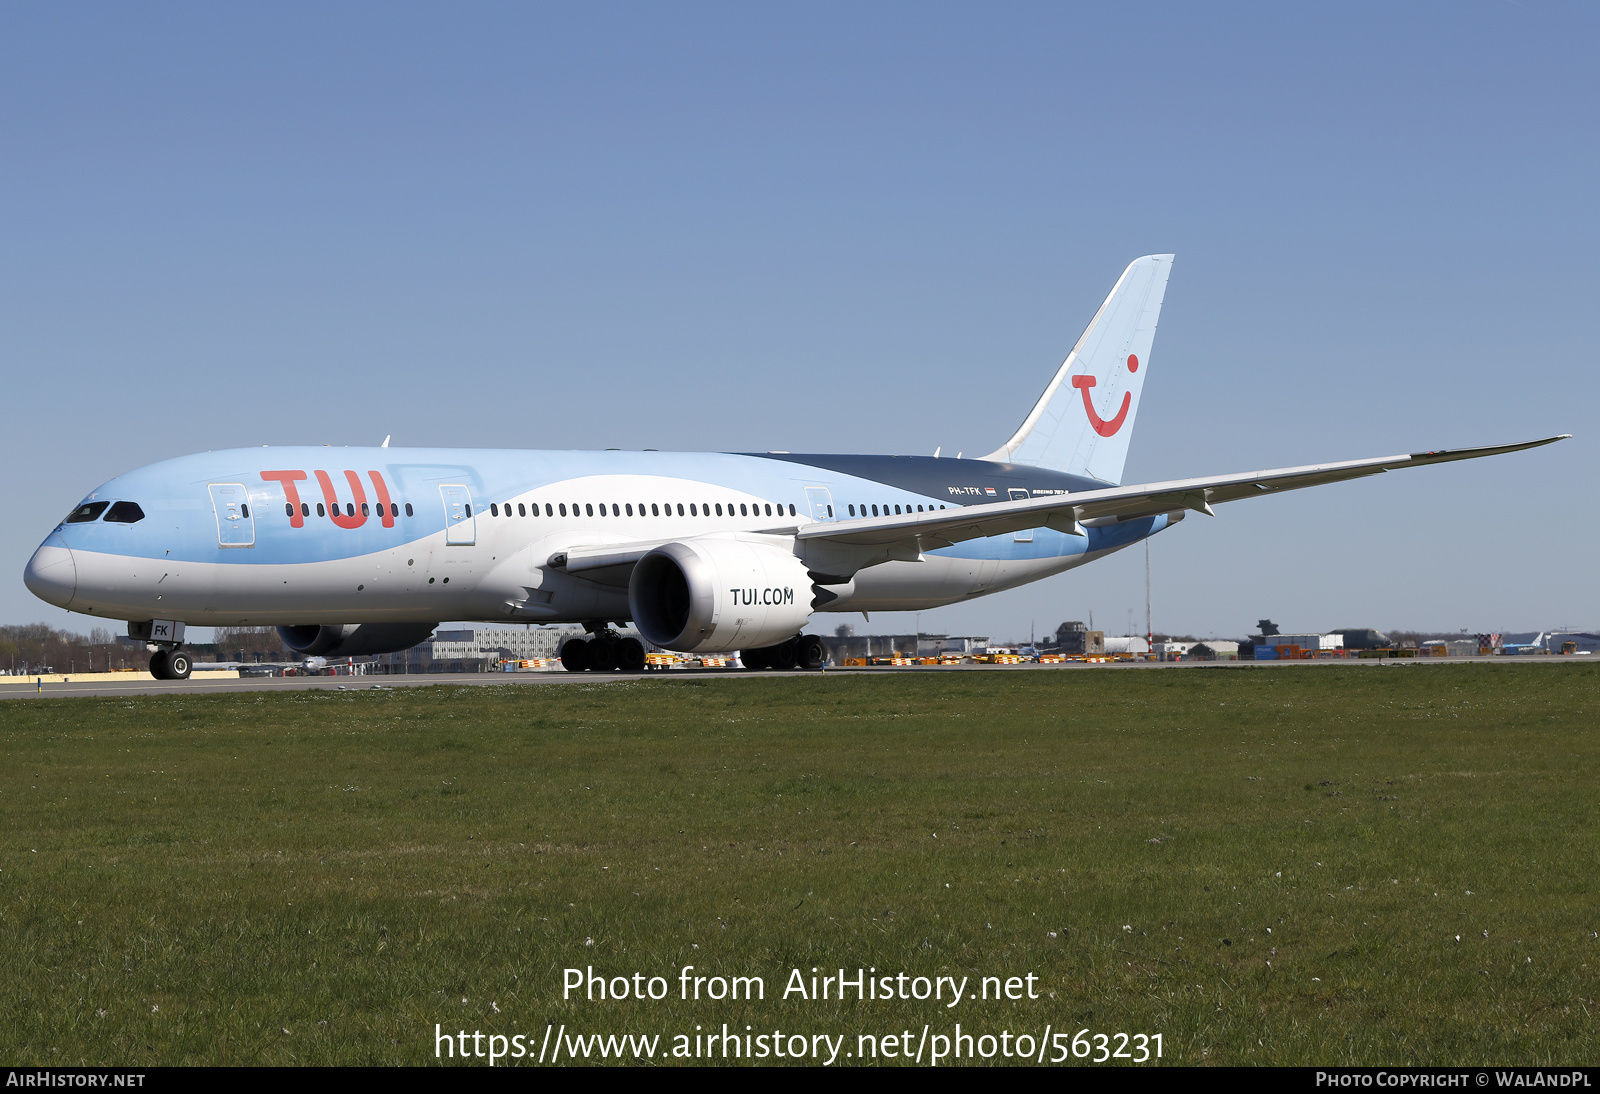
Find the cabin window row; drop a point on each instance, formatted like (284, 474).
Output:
(654, 509)
(392, 510)
(128, 512)
(886, 510)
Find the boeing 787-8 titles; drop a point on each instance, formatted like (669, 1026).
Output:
(353, 551)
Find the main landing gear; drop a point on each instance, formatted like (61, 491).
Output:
(607, 651)
(170, 664)
(604, 651)
(804, 651)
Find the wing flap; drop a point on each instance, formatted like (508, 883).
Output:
(576, 560)
(612, 563)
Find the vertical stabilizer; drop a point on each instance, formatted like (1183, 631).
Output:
(1082, 422)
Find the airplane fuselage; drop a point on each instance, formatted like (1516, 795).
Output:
(300, 536)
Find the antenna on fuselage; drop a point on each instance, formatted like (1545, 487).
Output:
(385, 443)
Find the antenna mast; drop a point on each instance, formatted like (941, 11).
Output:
(1149, 631)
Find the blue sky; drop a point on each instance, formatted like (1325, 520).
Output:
(835, 228)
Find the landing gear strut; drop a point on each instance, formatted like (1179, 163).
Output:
(604, 651)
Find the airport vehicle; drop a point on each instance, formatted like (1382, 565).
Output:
(352, 551)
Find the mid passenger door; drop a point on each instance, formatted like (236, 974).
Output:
(1024, 535)
(235, 526)
(821, 503)
(460, 527)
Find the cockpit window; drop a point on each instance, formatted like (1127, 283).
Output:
(125, 512)
(87, 512)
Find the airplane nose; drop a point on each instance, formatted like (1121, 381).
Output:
(51, 575)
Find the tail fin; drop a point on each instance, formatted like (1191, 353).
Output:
(1084, 429)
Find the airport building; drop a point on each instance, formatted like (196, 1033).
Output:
(1073, 639)
(1453, 647)
(865, 647)
(480, 649)
(1305, 641)
(501, 643)
(941, 645)
(1296, 647)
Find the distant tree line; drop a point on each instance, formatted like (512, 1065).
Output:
(243, 643)
(39, 648)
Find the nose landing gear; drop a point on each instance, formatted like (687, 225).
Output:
(171, 664)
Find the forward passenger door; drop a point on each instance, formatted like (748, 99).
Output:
(230, 501)
(460, 526)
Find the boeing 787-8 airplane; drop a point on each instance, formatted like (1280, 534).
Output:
(354, 551)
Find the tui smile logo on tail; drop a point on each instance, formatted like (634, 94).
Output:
(1105, 426)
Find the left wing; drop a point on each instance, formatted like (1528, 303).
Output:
(838, 549)
(904, 535)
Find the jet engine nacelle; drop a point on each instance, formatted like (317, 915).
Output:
(355, 639)
(714, 595)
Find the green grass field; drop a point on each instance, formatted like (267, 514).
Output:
(1293, 866)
